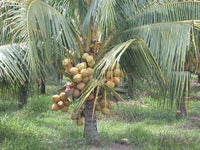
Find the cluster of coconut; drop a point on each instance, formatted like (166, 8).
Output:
(61, 102)
(80, 73)
(112, 76)
(104, 106)
(74, 89)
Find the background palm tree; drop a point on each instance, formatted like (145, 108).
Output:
(143, 36)
(15, 75)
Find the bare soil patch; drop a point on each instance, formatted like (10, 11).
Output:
(111, 146)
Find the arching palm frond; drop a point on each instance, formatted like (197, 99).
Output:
(135, 58)
(166, 45)
(46, 32)
(169, 49)
(167, 30)
(180, 11)
(12, 65)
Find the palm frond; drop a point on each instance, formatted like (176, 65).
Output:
(170, 49)
(44, 30)
(12, 65)
(166, 45)
(179, 87)
(168, 12)
(91, 15)
(107, 16)
(135, 58)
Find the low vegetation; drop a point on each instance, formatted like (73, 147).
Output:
(140, 121)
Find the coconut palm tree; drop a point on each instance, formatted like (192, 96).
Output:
(144, 37)
(13, 72)
(12, 49)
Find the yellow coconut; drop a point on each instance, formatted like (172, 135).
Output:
(80, 86)
(103, 103)
(122, 74)
(55, 107)
(91, 64)
(64, 109)
(73, 116)
(99, 99)
(70, 84)
(91, 97)
(76, 93)
(69, 91)
(74, 70)
(69, 100)
(82, 65)
(63, 96)
(67, 68)
(89, 77)
(77, 78)
(110, 83)
(78, 66)
(105, 111)
(55, 98)
(111, 105)
(85, 55)
(109, 74)
(66, 62)
(104, 80)
(66, 103)
(117, 72)
(90, 70)
(89, 59)
(85, 79)
(84, 72)
(80, 121)
(60, 104)
(116, 80)
(97, 107)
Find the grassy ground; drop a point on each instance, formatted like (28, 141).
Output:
(36, 127)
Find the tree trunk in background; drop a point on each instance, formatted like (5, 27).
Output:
(60, 76)
(130, 87)
(90, 129)
(183, 111)
(199, 78)
(23, 97)
(43, 87)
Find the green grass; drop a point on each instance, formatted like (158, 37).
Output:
(36, 127)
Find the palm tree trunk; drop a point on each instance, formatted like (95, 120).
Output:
(90, 129)
(23, 97)
(183, 110)
(43, 87)
(198, 77)
(130, 86)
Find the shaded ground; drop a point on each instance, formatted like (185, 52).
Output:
(195, 119)
(36, 127)
(196, 91)
(111, 146)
